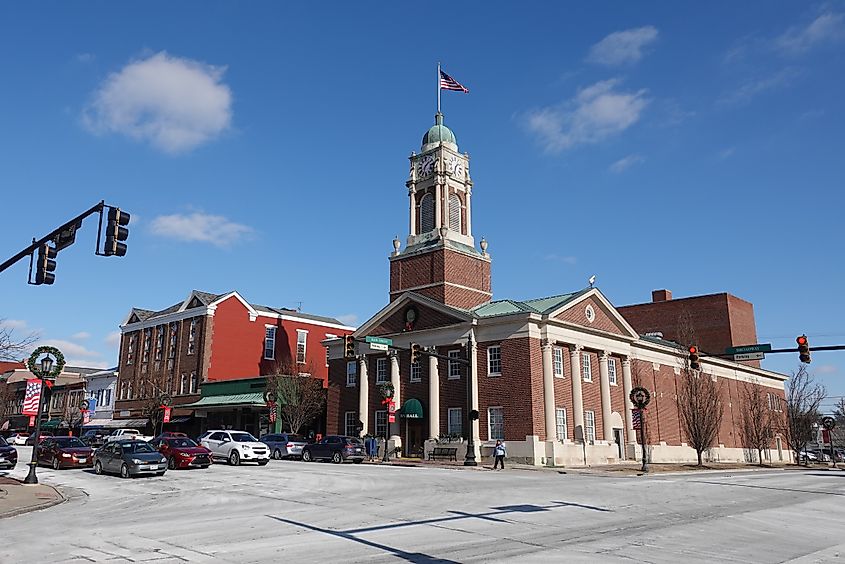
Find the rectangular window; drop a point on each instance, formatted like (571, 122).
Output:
(301, 343)
(494, 361)
(351, 427)
(192, 336)
(590, 427)
(455, 422)
(183, 384)
(611, 371)
(557, 358)
(270, 343)
(146, 352)
(416, 372)
(107, 400)
(454, 366)
(381, 423)
(351, 373)
(560, 423)
(329, 336)
(381, 370)
(195, 381)
(586, 367)
(130, 352)
(496, 423)
(129, 390)
(171, 349)
(159, 342)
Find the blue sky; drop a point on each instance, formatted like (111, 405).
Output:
(263, 147)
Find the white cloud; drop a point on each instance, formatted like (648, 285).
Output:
(826, 28)
(200, 227)
(554, 257)
(625, 163)
(349, 319)
(13, 324)
(827, 369)
(113, 339)
(752, 88)
(175, 104)
(70, 348)
(623, 47)
(81, 336)
(84, 58)
(87, 363)
(594, 114)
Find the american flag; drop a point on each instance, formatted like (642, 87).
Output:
(33, 395)
(449, 83)
(636, 416)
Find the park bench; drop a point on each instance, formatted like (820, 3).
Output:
(450, 452)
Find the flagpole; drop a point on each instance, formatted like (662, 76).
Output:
(438, 87)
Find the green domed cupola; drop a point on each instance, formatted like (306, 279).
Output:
(439, 133)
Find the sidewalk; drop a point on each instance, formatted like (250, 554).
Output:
(17, 498)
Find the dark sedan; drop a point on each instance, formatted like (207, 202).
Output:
(182, 452)
(64, 452)
(129, 458)
(94, 438)
(8, 455)
(335, 448)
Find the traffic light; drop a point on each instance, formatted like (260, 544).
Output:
(348, 346)
(803, 349)
(694, 362)
(115, 233)
(416, 353)
(45, 265)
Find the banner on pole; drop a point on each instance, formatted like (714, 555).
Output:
(636, 416)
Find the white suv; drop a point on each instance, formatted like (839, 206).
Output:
(236, 447)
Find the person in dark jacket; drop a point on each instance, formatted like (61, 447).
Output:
(499, 454)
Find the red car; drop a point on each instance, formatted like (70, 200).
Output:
(65, 452)
(182, 452)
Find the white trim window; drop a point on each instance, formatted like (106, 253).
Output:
(381, 423)
(586, 367)
(192, 336)
(329, 336)
(590, 427)
(495, 423)
(159, 342)
(381, 371)
(270, 343)
(183, 384)
(351, 374)
(301, 344)
(129, 390)
(130, 352)
(454, 366)
(560, 423)
(351, 424)
(416, 372)
(194, 383)
(145, 357)
(611, 371)
(557, 361)
(107, 400)
(494, 361)
(455, 421)
(455, 212)
(426, 213)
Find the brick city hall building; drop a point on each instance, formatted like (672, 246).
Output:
(551, 375)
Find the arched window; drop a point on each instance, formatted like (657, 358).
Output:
(426, 213)
(454, 213)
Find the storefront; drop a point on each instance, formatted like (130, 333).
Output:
(234, 404)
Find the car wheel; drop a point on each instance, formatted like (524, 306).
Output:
(124, 471)
(171, 463)
(234, 458)
(358, 460)
(337, 458)
(306, 456)
(98, 468)
(56, 463)
(277, 454)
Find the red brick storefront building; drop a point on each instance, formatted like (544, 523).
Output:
(548, 372)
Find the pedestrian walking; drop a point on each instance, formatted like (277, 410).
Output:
(499, 453)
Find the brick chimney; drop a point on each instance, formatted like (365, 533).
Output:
(661, 296)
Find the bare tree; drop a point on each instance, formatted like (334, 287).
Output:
(756, 420)
(12, 347)
(839, 417)
(300, 396)
(803, 397)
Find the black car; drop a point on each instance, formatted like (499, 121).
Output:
(94, 438)
(129, 458)
(8, 455)
(336, 448)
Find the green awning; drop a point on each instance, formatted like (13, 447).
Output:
(253, 399)
(51, 424)
(411, 409)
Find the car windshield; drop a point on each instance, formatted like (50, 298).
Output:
(183, 443)
(243, 438)
(68, 442)
(137, 448)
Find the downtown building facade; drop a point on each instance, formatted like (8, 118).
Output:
(211, 353)
(551, 376)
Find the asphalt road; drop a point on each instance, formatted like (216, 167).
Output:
(298, 512)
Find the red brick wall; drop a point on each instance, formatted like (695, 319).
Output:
(563, 391)
(438, 266)
(602, 322)
(514, 390)
(427, 318)
(591, 392)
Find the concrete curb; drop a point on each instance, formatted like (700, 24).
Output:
(47, 504)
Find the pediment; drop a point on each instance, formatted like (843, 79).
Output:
(594, 311)
(426, 314)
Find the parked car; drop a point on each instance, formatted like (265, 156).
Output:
(284, 445)
(335, 448)
(94, 438)
(182, 452)
(42, 436)
(8, 455)
(169, 435)
(18, 439)
(236, 447)
(64, 452)
(127, 434)
(129, 458)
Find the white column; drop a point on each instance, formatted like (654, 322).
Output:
(433, 399)
(473, 384)
(606, 410)
(363, 394)
(630, 435)
(438, 221)
(549, 391)
(469, 212)
(577, 395)
(395, 431)
(445, 204)
(413, 205)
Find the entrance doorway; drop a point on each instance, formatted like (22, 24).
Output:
(413, 438)
(619, 439)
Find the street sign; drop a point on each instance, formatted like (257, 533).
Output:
(379, 341)
(759, 348)
(391, 418)
(749, 356)
(166, 418)
(378, 347)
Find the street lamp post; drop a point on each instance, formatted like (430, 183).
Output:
(640, 397)
(472, 415)
(46, 367)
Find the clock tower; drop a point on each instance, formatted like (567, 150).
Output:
(440, 259)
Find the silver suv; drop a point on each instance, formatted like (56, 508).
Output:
(235, 447)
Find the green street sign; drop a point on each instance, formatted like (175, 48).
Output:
(745, 349)
(378, 341)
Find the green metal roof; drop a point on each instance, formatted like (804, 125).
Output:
(543, 305)
(229, 400)
(438, 133)
(539, 305)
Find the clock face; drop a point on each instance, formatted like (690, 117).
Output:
(455, 166)
(425, 165)
(410, 315)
